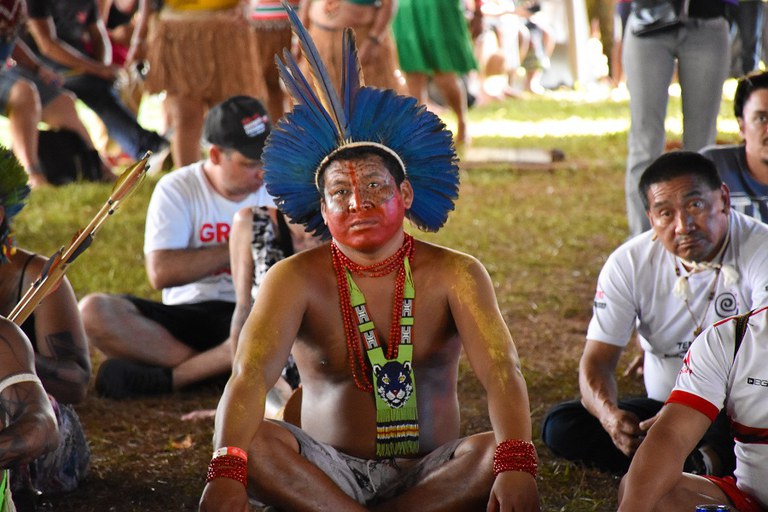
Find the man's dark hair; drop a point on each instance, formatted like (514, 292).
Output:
(747, 85)
(358, 152)
(676, 164)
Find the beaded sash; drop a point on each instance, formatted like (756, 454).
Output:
(397, 425)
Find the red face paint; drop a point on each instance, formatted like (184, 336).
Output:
(363, 205)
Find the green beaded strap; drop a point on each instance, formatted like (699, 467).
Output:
(394, 383)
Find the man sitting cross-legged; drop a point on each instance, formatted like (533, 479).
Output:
(154, 348)
(377, 321)
(701, 262)
(27, 423)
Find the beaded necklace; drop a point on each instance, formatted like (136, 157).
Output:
(391, 375)
(342, 264)
(683, 283)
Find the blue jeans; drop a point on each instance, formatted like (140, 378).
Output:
(122, 126)
(702, 53)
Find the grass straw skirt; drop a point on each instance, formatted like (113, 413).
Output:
(203, 55)
(382, 72)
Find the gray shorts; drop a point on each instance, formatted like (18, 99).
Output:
(370, 481)
(9, 76)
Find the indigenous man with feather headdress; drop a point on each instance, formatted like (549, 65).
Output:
(376, 321)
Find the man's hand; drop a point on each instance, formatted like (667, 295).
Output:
(224, 494)
(514, 491)
(50, 76)
(645, 425)
(624, 429)
(369, 50)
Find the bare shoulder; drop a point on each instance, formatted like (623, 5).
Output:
(31, 264)
(446, 261)
(15, 350)
(243, 216)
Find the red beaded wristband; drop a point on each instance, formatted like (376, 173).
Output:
(515, 455)
(228, 466)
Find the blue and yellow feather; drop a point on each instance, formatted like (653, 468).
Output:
(322, 121)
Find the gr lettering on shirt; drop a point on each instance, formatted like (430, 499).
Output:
(218, 232)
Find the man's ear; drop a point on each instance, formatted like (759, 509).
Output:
(407, 192)
(740, 120)
(323, 209)
(726, 195)
(215, 154)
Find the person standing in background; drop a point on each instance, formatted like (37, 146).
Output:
(700, 49)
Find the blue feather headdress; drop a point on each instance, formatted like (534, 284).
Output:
(322, 124)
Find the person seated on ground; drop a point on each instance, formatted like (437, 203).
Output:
(30, 93)
(724, 368)
(381, 432)
(27, 422)
(260, 237)
(744, 167)
(71, 38)
(542, 44)
(701, 262)
(57, 338)
(153, 347)
(512, 39)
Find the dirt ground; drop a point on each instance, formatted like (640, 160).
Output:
(145, 458)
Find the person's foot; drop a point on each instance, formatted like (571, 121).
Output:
(36, 177)
(119, 379)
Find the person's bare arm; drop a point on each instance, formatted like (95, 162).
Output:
(62, 360)
(658, 463)
(369, 48)
(597, 382)
(102, 47)
(44, 33)
(175, 267)
(264, 346)
(137, 50)
(31, 427)
(26, 58)
(493, 356)
(241, 264)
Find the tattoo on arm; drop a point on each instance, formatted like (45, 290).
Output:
(67, 363)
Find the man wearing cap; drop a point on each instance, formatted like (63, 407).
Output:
(154, 348)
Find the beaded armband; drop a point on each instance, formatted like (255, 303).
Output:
(229, 462)
(515, 455)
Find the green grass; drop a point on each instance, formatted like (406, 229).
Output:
(542, 232)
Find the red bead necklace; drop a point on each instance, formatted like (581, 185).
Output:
(341, 263)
